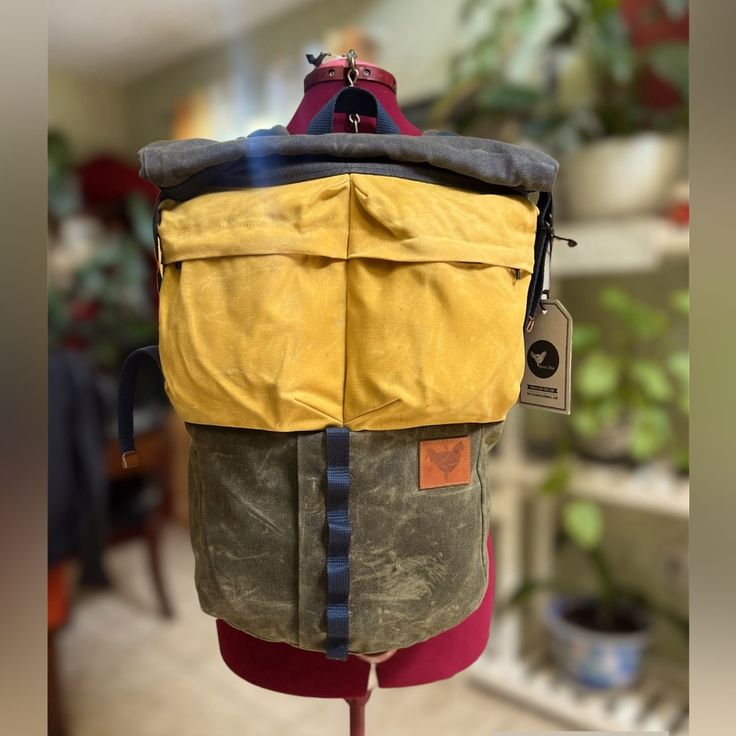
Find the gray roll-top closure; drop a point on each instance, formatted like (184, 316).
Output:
(171, 163)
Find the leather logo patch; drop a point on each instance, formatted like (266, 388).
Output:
(444, 462)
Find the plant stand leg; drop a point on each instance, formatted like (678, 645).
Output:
(152, 531)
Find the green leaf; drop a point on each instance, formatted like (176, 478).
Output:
(585, 421)
(527, 589)
(652, 379)
(612, 47)
(680, 301)
(639, 318)
(670, 62)
(609, 410)
(679, 365)
(601, 8)
(650, 430)
(558, 478)
(588, 420)
(617, 301)
(510, 99)
(598, 375)
(583, 523)
(585, 337)
(139, 213)
(681, 459)
(649, 323)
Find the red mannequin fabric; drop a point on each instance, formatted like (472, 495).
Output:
(285, 669)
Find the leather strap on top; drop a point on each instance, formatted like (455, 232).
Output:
(336, 73)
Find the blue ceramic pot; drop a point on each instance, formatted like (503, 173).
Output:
(596, 659)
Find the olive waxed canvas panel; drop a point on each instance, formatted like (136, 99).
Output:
(418, 558)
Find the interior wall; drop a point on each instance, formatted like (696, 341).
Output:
(89, 112)
(262, 72)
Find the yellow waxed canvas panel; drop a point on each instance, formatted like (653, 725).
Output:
(369, 301)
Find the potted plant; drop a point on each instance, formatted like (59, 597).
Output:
(630, 383)
(598, 637)
(100, 269)
(602, 84)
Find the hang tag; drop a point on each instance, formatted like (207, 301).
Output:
(548, 346)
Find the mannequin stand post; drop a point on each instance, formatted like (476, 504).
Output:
(357, 714)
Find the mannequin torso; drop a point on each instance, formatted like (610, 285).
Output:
(286, 669)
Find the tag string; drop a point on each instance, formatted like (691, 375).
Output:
(544, 292)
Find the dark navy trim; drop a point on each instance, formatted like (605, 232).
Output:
(126, 401)
(542, 250)
(337, 455)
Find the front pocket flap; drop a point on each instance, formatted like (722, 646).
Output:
(353, 216)
(409, 221)
(306, 218)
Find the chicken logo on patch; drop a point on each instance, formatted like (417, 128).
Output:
(446, 461)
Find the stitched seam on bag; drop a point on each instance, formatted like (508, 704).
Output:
(314, 408)
(444, 440)
(299, 557)
(236, 225)
(370, 411)
(483, 493)
(345, 325)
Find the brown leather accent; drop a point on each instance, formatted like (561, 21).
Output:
(130, 459)
(444, 462)
(337, 73)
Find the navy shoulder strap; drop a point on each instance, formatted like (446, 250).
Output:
(352, 100)
(126, 402)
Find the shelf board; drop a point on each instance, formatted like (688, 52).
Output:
(649, 706)
(636, 244)
(649, 488)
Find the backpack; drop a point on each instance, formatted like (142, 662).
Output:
(341, 329)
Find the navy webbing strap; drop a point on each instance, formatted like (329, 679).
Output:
(126, 402)
(542, 245)
(542, 256)
(337, 456)
(354, 100)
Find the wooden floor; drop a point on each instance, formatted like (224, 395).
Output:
(128, 672)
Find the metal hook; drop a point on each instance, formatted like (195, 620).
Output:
(353, 71)
(354, 118)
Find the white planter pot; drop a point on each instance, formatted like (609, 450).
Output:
(620, 176)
